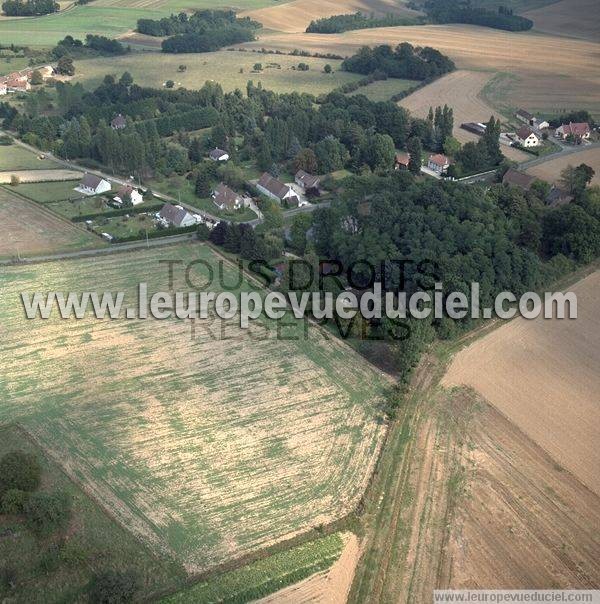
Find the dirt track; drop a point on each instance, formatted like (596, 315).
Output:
(544, 376)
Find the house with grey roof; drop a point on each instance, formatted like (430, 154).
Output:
(92, 185)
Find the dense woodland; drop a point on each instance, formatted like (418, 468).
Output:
(204, 31)
(29, 8)
(340, 23)
(404, 61)
(462, 11)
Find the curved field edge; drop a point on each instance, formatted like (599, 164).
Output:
(264, 577)
(92, 543)
(164, 441)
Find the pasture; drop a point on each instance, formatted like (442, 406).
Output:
(543, 376)
(15, 157)
(384, 90)
(550, 170)
(207, 441)
(110, 18)
(27, 229)
(232, 69)
(48, 192)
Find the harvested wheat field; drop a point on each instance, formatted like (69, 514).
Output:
(573, 18)
(543, 376)
(295, 16)
(550, 72)
(27, 229)
(39, 175)
(524, 522)
(329, 587)
(460, 89)
(207, 443)
(550, 170)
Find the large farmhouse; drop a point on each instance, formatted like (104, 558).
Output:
(577, 130)
(275, 189)
(526, 137)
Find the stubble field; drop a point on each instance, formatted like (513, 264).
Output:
(296, 15)
(550, 170)
(207, 445)
(550, 73)
(543, 376)
(573, 18)
(26, 229)
(462, 89)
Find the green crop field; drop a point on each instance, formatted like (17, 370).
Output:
(207, 443)
(104, 17)
(232, 69)
(384, 90)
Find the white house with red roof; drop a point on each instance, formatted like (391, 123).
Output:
(526, 137)
(439, 163)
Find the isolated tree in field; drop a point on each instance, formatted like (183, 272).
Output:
(306, 160)
(19, 470)
(113, 587)
(169, 84)
(327, 68)
(65, 66)
(15, 181)
(202, 187)
(257, 67)
(415, 149)
(182, 68)
(575, 180)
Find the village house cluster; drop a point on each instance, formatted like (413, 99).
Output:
(20, 81)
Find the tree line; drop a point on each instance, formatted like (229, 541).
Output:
(340, 23)
(204, 31)
(29, 8)
(463, 11)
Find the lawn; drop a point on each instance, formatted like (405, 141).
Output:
(232, 69)
(47, 570)
(384, 90)
(110, 18)
(180, 186)
(208, 441)
(48, 192)
(14, 157)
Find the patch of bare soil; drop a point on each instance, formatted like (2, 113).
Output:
(543, 375)
(525, 522)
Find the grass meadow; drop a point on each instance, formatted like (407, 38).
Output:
(384, 90)
(207, 441)
(232, 69)
(110, 18)
(13, 157)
